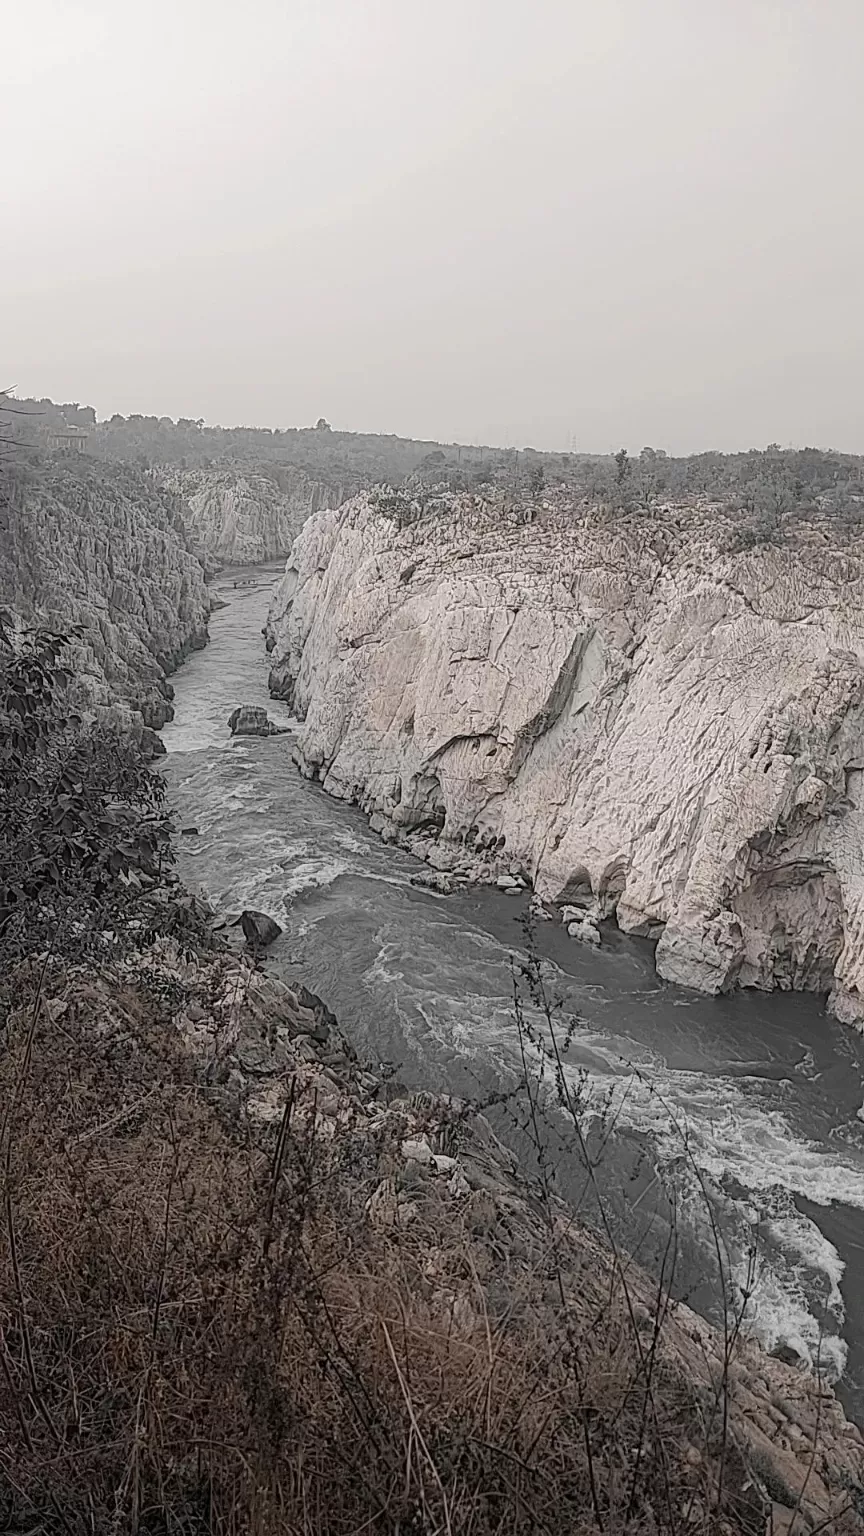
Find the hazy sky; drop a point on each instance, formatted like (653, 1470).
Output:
(558, 222)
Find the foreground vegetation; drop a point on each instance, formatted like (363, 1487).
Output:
(223, 1313)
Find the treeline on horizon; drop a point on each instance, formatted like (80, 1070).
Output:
(767, 490)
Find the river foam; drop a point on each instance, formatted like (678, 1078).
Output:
(731, 1155)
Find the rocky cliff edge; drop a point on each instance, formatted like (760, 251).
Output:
(283, 1266)
(638, 719)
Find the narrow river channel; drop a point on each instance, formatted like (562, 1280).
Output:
(752, 1099)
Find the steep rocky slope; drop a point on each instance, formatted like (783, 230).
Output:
(241, 516)
(639, 720)
(221, 1208)
(101, 547)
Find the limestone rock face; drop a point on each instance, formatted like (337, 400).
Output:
(634, 718)
(246, 517)
(98, 545)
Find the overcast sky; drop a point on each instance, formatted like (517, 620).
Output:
(566, 223)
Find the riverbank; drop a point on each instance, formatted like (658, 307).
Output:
(304, 1289)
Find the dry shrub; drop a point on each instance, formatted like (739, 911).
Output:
(204, 1331)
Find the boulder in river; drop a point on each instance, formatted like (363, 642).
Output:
(433, 880)
(512, 884)
(152, 744)
(253, 720)
(258, 929)
(581, 925)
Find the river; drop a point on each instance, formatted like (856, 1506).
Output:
(749, 1102)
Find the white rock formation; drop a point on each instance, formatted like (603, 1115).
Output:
(97, 546)
(640, 722)
(244, 516)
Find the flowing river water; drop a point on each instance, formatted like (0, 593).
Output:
(743, 1109)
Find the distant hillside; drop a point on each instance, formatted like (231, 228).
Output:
(158, 440)
(766, 490)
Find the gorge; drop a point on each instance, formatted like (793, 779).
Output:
(243, 516)
(466, 668)
(762, 1088)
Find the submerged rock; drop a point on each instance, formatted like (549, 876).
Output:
(434, 880)
(510, 883)
(581, 925)
(585, 931)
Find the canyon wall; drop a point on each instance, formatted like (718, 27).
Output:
(101, 547)
(634, 718)
(240, 516)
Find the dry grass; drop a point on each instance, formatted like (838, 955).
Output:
(203, 1330)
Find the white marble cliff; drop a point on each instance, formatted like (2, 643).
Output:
(635, 719)
(98, 547)
(240, 516)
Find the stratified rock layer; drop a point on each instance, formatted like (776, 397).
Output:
(100, 547)
(638, 720)
(243, 516)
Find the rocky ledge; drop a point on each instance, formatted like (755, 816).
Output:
(622, 711)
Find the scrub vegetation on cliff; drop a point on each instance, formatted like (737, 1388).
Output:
(85, 849)
(765, 492)
(246, 1289)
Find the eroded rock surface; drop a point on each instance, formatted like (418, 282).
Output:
(100, 547)
(244, 516)
(637, 720)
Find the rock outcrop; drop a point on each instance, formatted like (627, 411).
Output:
(240, 516)
(252, 720)
(98, 546)
(259, 930)
(641, 722)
